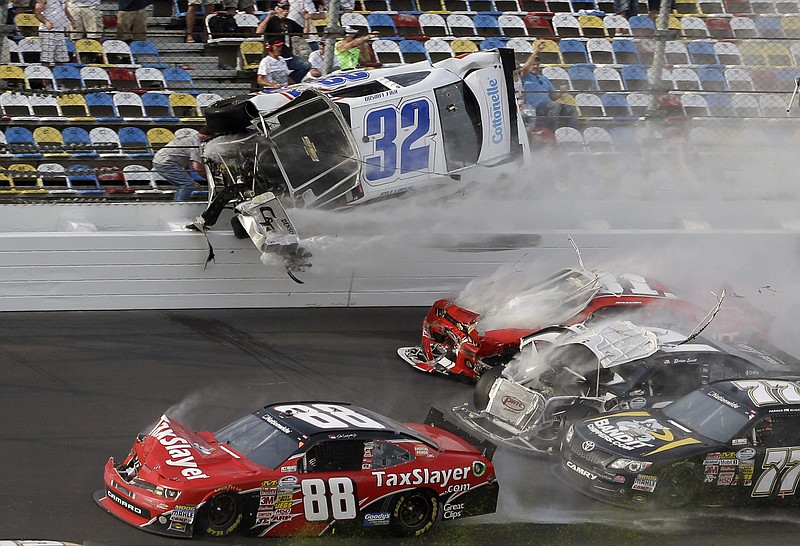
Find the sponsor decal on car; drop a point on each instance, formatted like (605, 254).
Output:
(493, 92)
(272, 421)
(513, 404)
(369, 453)
(289, 468)
(452, 511)
(129, 506)
(643, 482)
(637, 403)
(183, 513)
(420, 476)
(179, 450)
(376, 519)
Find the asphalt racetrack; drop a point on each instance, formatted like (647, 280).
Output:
(77, 387)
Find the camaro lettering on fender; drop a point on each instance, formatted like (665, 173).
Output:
(493, 91)
(179, 450)
(583, 472)
(420, 476)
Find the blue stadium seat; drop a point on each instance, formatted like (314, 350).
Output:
(573, 51)
(625, 51)
(413, 51)
(67, 76)
(702, 53)
(101, 105)
(177, 78)
(487, 25)
(720, 105)
(712, 79)
(582, 77)
(157, 106)
(83, 179)
(642, 26)
(382, 23)
(77, 142)
(146, 54)
(492, 42)
(634, 76)
(20, 142)
(616, 105)
(134, 143)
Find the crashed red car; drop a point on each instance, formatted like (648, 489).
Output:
(299, 469)
(455, 343)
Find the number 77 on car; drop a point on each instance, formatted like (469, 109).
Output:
(299, 469)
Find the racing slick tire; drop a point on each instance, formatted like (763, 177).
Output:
(220, 515)
(677, 486)
(228, 115)
(238, 229)
(414, 513)
(480, 395)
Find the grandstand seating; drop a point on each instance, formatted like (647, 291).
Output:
(725, 59)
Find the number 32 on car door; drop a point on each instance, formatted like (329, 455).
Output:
(401, 141)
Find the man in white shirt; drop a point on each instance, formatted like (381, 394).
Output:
(273, 72)
(317, 60)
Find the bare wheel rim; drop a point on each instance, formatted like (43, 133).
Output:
(415, 511)
(221, 510)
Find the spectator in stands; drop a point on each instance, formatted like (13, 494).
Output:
(191, 18)
(543, 97)
(53, 16)
(174, 159)
(87, 19)
(232, 6)
(300, 10)
(317, 60)
(132, 20)
(278, 25)
(351, 49)
(626, 8)
(273, 70)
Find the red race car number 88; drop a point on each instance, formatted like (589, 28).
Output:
(315, 499)
(329, 416)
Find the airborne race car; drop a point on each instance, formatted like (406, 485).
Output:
(730, 442)
(359, 136)
(299, 469)
(564, 373)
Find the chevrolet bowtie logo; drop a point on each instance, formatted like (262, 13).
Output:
(311, 150)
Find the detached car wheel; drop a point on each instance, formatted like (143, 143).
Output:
(221, 515)
(677, 486)
(480, 396)
(238, 229)
(414, 513)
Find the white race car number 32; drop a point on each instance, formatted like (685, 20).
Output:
(383, 127)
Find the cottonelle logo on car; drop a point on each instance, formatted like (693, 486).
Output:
(496, 109)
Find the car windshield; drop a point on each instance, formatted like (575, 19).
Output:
(708, 413)
(259, 441)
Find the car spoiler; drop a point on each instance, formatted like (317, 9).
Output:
(437, 418)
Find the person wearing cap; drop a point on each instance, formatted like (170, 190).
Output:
(278, 25)
(173, 160)
(272, 70)
(349, 49)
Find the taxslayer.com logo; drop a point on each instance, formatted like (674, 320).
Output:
(513, 404)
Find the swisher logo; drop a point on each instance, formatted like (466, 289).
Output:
(513, 404)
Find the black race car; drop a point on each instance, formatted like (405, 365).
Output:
(730, 442)
(563, 373)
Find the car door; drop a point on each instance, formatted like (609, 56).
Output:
(329, 476)
(769, 468)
